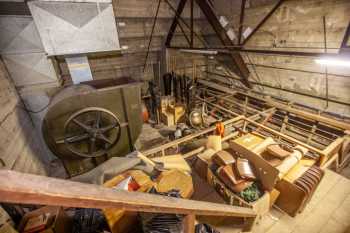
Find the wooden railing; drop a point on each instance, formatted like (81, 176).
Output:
(16, 187)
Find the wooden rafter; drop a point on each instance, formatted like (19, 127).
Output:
(239, 67)
(175, 22)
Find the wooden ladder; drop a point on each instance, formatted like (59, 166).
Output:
(16, 187)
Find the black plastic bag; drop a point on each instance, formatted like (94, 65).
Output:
(89, 221)
(162, 223)
(204, 228)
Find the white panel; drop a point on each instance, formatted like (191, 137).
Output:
(30, 69)
(75, 27)
(247, 32)
(223, 21)
(231, 34)
(79, 69)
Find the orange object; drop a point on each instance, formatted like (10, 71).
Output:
(145, 114)
(220, 129)
(133, 185)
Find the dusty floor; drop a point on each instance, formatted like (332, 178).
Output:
(346, 172)
(327, 212)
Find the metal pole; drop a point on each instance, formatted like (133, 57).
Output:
(191, 23)
(241, 20)
(325, 50)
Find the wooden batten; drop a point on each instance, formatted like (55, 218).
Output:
(32, 189)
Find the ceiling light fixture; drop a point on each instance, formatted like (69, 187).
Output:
(333, 62)
(198, 51)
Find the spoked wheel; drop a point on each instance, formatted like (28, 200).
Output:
(91, 132)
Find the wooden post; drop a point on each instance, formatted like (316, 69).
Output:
(249, 224)
(189, 223)
(331, 149)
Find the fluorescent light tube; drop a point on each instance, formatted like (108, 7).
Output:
(205, 52)
(333, 62)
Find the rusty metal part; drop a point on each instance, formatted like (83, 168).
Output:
(98, 131)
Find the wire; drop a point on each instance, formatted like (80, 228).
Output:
(256, 73)
(151, 36)
(178, 17)
(35, 111)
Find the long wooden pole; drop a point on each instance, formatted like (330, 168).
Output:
(16, 187)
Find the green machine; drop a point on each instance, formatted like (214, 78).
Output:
(87, 124)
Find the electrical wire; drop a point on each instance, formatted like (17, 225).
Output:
(35, 111)
(256, 73)
(151, 36)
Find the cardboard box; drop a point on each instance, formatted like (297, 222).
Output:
(4, 217)
(61, 223)
(119, 220)
(7, 228)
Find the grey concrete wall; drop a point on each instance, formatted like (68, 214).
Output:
(23, 52)
(19, 147)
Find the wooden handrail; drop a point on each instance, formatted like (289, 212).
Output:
(16, 187)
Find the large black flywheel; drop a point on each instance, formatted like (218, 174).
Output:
(91, 132)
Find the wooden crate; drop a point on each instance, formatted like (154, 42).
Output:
(61, 223)
(261, 206)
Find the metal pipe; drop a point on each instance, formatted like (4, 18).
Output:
(296, 70)
(241, 20)
(228, 50)
(192, 5)
(325, 50)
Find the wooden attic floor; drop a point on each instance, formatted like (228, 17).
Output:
(327, 212)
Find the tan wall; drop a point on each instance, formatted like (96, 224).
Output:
(298, 26)
(19, 149)
(189, 64)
